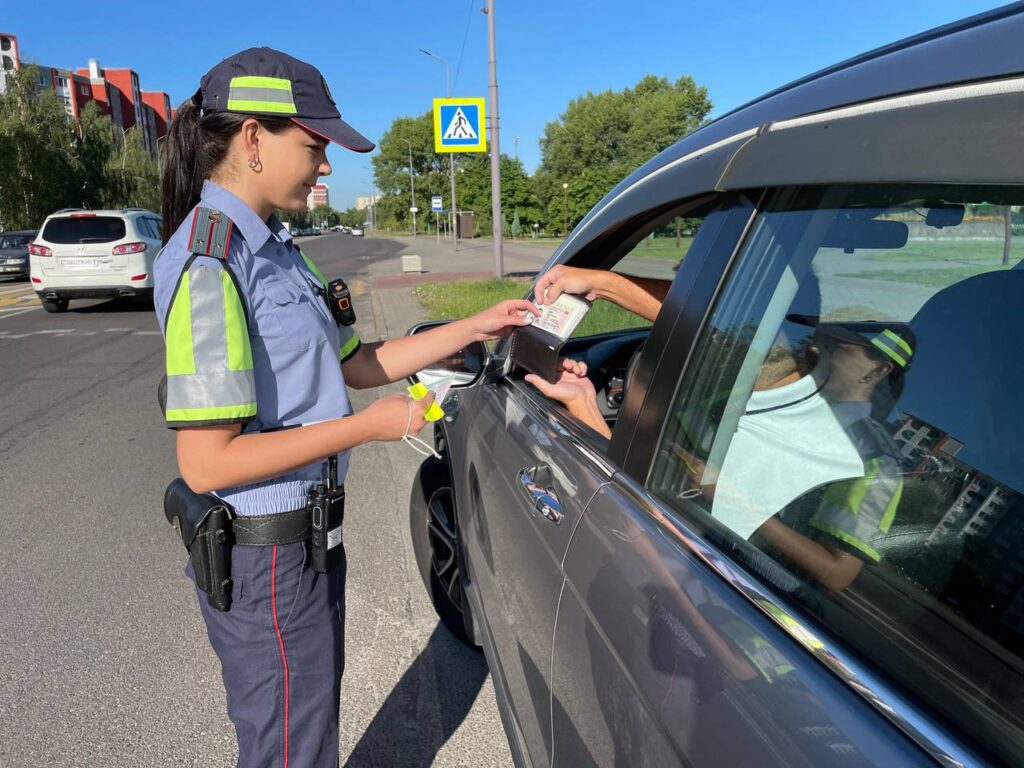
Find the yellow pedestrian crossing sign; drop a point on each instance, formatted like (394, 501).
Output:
(459, 125)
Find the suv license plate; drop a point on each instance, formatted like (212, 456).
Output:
(78, 263)
(10, 269)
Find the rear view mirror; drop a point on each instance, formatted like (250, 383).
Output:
(463, 367)
(851, 234)
(944, 215)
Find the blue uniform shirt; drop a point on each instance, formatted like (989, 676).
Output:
(296, 346)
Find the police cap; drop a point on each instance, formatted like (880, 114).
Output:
(265, 82)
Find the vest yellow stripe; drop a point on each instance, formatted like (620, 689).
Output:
(349, 346)
(180, 357)
(245, 410)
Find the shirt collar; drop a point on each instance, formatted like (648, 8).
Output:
(253, 229)
(279, 229)
(798, 391)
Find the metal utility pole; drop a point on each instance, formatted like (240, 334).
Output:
(448, 93)
(412, 188)
(496, 220)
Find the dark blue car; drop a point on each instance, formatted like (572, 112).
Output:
(14, 254)
(803, 542)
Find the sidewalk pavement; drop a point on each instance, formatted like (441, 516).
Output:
(395, 307)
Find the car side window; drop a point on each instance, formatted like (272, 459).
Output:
(655, 257)
(849, 431)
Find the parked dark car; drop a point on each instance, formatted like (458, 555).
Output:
(669, 596)
(14, 253)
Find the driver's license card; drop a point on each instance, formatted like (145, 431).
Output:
(562, 316)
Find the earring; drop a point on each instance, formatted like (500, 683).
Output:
(256, 164)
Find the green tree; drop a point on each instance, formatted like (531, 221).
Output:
(391, 170)
(95, 146)
(37, 162)
(137, 174)
(604, 136)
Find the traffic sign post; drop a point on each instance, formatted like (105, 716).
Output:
(437, 208)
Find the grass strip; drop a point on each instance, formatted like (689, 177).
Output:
(462, 298)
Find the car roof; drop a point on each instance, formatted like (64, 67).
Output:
(751, 146)
(929, 60)
(126, 212)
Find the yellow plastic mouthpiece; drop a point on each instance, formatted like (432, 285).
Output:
(418, 392)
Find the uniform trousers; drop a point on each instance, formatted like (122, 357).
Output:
(282, 652)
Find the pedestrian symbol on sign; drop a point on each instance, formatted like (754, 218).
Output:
(459, 127)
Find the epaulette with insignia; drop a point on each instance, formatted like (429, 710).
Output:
(211, 233)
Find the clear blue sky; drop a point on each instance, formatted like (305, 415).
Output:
(549, 52)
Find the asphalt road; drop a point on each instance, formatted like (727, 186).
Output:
(103, 654)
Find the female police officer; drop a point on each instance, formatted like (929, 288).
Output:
(253, 349)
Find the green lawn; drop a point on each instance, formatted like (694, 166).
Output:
(443, 301)
(953, 250)
(660, 248)
(927, 278)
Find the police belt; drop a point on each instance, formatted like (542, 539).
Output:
(267, 530)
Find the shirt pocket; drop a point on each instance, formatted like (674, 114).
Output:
(290, 317)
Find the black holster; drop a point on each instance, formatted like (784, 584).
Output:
(204, 522)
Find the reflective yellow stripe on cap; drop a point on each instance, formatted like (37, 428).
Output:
(886, 337)
(250, 93)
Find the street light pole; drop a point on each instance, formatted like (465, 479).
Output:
(565, 208)
(373, 200)
(451, 156)
(496, 220)
(412, 189)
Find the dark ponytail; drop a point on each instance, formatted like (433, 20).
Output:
(195, 145)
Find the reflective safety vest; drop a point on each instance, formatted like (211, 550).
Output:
(209, 359)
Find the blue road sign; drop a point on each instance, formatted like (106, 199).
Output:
(459, 125)
(436, 204)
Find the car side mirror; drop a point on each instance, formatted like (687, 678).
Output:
(464, 366)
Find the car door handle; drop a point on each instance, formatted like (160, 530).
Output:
(535, 485)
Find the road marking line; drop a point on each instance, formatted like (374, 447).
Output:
(14, 311)
(118, 330)
(146, 333)
(58, 330)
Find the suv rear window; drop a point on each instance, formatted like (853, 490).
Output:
(14, 241)
(91, 229)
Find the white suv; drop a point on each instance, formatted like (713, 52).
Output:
(80, 254)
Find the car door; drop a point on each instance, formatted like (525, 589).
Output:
(530, 476)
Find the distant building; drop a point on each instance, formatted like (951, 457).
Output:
(74, 90)
(9, 62)
(160, 102)
(365, 201)
(116, 92)
(108, 97)
(133, 112)
(319, 197)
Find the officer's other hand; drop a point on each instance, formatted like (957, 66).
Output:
(501, 319)
(562, 279)
(390, 416)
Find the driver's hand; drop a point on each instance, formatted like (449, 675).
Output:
(562, 279)
(571, 388)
